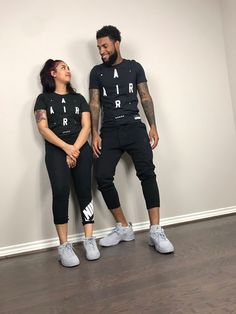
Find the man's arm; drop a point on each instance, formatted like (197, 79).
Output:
(148, 107)
(94, 103)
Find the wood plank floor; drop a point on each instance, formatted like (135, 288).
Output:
(200, 277)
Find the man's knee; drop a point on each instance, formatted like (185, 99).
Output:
(103, 179)
(147, 176)
(105, 185)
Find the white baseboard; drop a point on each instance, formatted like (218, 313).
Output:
(53, 242)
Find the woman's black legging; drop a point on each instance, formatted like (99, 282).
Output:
(60, 175)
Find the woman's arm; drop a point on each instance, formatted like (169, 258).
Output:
(85, 131)
(50, 136)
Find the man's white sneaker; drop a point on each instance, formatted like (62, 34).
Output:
(91, 249)
(158, 239)
(67, 256)
(118, 234)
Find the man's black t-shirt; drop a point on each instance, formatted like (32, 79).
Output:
(118, 91)
(63, 112)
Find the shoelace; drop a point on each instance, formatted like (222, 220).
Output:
(115, 230)
(160, 233)
(68, 247)
(91, 243)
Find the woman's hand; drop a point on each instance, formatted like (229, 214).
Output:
(71, 151)
(70, 162)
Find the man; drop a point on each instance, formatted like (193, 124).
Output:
(113, 88)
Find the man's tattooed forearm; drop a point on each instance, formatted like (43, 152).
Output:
(94, 107)
(149, 111)
(147, 103)
(95, 118)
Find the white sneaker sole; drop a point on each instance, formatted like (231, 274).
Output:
(151, 243)
(126, 239)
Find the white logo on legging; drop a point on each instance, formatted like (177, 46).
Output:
(88, 211)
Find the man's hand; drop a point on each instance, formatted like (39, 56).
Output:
(153, 137)
(97, 145)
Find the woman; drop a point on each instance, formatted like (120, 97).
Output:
(63, 119)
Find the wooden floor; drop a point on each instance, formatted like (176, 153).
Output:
(200, 277)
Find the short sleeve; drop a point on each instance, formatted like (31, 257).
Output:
(84, 107)
(93, 79)
(141, 77)
(40, 103)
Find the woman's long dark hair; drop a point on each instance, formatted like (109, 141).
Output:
(48, 81)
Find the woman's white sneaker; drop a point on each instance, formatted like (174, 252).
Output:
(91, 249)
(67, 256)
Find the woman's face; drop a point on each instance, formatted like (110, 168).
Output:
(61, 73)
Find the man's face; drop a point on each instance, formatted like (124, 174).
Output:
(108, 50)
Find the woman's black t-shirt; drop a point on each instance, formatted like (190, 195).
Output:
(63, 112)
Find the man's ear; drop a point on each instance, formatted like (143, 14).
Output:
(117, 44)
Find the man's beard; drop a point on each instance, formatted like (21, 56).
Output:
(111, 60)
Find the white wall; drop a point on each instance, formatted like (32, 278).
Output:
(180, 44)
(229, 23)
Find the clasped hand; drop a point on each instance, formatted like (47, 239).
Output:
(72, 155)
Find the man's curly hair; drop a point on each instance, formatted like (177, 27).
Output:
(109, 31)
